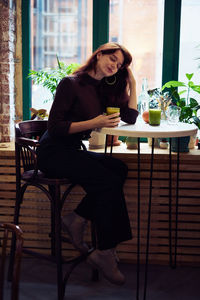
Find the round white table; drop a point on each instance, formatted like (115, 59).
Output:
(140, 130)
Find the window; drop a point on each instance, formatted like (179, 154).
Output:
(138, 25)
(60, 28)
(189, 59)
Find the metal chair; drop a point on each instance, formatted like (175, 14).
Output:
(17, 232)
(26, 143)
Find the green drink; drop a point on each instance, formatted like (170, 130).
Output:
(112, 110)
(154, 116)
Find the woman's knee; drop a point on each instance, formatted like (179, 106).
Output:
(122, 169)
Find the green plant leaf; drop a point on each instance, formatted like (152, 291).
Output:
(182, 92)
(59, 66)
(173, 83)
(189, 105)
(189, 76)
(193, 102)
(51, 77)
(190, 84)
(181, 102)
(196, 121)
(196, 88)
(186, 114)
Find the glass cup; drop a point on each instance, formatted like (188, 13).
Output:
(173, 114)
(112, 110)
(154, 116)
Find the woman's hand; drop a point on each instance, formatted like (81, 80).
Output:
(106, 120)
(97, 122)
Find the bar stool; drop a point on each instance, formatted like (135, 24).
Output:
(17, 232)
(26, 143)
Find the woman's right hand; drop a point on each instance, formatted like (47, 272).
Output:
(106, 120)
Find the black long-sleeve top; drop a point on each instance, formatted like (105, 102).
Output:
(80, 98)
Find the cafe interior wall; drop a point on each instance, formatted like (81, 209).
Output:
(10, 68)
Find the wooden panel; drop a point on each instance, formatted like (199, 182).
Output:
(35, 209)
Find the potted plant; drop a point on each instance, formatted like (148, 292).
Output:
(183, 99)
(51, 77)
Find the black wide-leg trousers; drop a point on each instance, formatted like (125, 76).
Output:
(102, 177)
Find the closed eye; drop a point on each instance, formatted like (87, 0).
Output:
(114, 59)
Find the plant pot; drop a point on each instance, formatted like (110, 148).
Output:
(116, 142)
(192, 141)
(156, 143)
(132, 143)
(183, 146)
(97, 140)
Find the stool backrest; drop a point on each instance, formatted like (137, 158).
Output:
(27, 134)
(7, 228)
(32, 129)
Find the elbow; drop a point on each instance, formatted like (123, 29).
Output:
(131, 118)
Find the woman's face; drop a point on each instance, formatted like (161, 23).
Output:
(109, 64)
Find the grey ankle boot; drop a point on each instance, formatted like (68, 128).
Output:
(75, 225)
(105, 261)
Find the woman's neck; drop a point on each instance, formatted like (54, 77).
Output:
(95, 75)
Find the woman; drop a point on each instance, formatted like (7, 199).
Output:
(78, 108)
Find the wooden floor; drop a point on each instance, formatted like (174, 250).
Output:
(38, 282)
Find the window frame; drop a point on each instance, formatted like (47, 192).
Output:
(171, 42)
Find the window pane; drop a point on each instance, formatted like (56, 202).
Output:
(138, 25)
(60, 28)
(189, 59)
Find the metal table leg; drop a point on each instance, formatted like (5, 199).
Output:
(170, 203)
(138, 226)
(149, 221)
(171, 262)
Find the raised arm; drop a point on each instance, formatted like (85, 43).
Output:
(132, 103)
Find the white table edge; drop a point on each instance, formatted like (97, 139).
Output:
(141, 129)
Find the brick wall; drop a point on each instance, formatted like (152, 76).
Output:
(7, 65)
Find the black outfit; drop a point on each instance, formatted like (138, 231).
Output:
(81, 98)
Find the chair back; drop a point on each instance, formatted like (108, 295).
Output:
(27, 134)
(32, 129)
(15, 230)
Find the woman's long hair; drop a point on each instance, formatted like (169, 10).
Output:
(116, 90)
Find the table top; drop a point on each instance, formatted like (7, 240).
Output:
(142, 129)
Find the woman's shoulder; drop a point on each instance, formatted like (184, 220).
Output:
(69, 79)
(67, 82)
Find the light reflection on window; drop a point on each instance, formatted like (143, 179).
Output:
(189, 59)
(138, 25)
(60, 28)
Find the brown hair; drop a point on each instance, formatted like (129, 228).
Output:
(107, 48)
(121, 76)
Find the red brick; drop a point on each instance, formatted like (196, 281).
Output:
(4, 119)
(4, 56)
(4, 45)
(5, 99)
(5, 109)
(4, 35)
(6, 130)
(5, 89)
(4, 78)
(4, 27)
(4, 11)
(4, 68)
(5, 139)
